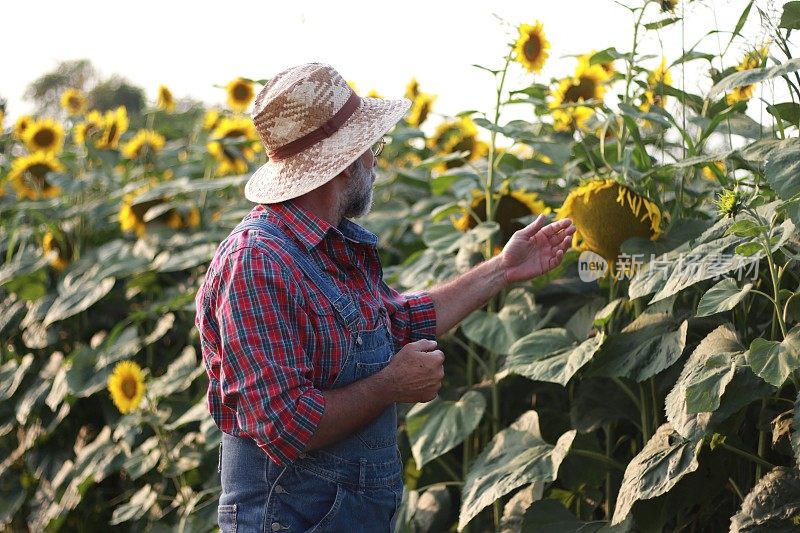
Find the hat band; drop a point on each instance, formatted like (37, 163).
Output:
(327, 129)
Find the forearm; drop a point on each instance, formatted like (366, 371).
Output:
(348, 409)
(456, 299)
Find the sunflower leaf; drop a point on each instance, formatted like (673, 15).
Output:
(790, 18)
(783, 170)
(749, 77)
(723, 296)
(773, 361)
(661, 23)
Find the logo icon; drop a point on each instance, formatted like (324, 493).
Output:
(591, 266)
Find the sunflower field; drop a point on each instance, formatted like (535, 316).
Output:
(651, 382)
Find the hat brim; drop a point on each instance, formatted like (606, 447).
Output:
(277, 181)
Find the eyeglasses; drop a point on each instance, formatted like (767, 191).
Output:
(377, 148)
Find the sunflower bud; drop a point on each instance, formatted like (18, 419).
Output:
(730, 202)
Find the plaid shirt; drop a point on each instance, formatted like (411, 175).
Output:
(270, 340)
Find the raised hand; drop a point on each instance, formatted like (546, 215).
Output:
(536, 249)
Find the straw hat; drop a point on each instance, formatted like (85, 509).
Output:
(313, 126)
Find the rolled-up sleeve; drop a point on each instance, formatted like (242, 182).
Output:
(265, 375)
(412, 316)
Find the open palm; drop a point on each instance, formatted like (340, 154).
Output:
(536, 248)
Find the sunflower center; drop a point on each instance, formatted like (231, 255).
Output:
(128, 387)
(583, 91)
(112, 132)
(241, 92)
(532, 48)
(44, 138)
(74, 102)
(38, 172)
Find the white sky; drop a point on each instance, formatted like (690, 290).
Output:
(193, 46)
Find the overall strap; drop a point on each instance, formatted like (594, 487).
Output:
(345, 309)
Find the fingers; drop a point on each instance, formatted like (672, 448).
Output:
(531, 229)
(424, 345)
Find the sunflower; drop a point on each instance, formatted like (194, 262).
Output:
(59, 248)
(230, 159)
(28, 175)
(412, 89)
(668, 5)
(531, 47)
(606, 214)
(454, 136)
(126, 386)
(115, 123)
(740, 94)
(21, 125)
(134, 216)
(240, 94)
(586, 85)
(211, 119)
(73, 101)
(92, 124)
(709, 173)
(650, 97)
(44, 136)
(608, 66)
(510, 206)
(752, 60)
(165, 99)
(145, 142)
(420, 108)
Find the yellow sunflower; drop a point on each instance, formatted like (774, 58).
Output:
(585, 86)
(21, 125)
(126, 386)
(44, 136)
(73, 101)
(739, 94)
(211, 119)
(606, 214)
(165, 99)
(115, 123)
(457, 135)
(751, 60)
(510, 206)
(650, 96)
(240, 94)
(228, 160)
(412, 89)
(233, 160)
(59, 248)
(28, 175)
(135, 217)
(708, 173)
(608, 67)
(531, 47)
(144, 143)
(420, 108)
(91, 125)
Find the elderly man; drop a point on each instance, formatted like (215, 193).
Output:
(299, 332)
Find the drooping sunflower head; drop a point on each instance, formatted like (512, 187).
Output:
(740, 94)
(21, 125)
(420, 108)
(144, 143)
(531, 48)
(137, 216)
(165, 99)
(412, 89)
(668, 6)
(115, 123)
(660, 74)
(753, 59)
(28, 175)
(59, 249)
(211, 119)
(606, 213)
(126, 386)
(73, 101)
(240, 94)
(510, 206)
(44, 135)
(91, 126)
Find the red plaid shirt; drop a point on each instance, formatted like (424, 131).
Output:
(271, 342)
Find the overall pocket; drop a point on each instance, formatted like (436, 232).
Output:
(381, 432)
(226, 517)
(304, 501)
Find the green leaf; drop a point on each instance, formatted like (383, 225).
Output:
(443, 182)
(645, 347)
(536, 356)
(705, 387)
(664, 460)
(135, 508)
(599, 401)
(143, 459)
(181, 372)
(748, 77)
(735, 393)
(550, 516)
(790, 18)
(661, 23)
(741, 21)
(12, 373)
(783, 170)
(723, 296)
(515, 457)
(442, 237)
(749, 249)
(436, 427)
(489, 330)
(746, 228)
(773, 505)
(178, 260)
(788, 111)
(773, 361)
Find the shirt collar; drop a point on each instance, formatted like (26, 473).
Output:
(310, 229)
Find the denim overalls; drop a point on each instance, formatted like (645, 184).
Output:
(355, 484)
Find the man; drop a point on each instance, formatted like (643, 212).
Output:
(306, 348)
